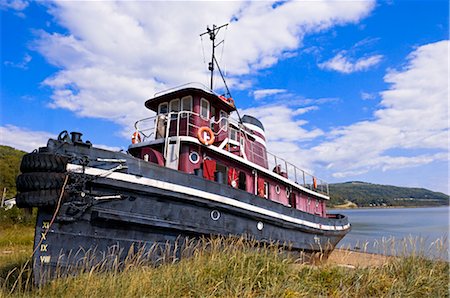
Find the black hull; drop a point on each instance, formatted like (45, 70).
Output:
(145, 204)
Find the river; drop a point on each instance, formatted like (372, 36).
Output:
(395, 231)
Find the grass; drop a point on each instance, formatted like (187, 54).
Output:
(225, 267)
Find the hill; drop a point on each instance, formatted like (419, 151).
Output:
(9, 169)
(370, 195)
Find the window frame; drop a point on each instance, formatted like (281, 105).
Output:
(191, 105)
(223, 121)
(159, 107)
(170, 105)
(207, 109)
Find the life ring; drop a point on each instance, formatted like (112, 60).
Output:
(229, 100)
(314, 182)
(205, 135)
(136, 138)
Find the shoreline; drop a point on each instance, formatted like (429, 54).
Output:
(350, 258)
(384, 207)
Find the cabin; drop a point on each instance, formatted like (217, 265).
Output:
(193, 132)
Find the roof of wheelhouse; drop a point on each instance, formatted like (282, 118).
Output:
(213, 98)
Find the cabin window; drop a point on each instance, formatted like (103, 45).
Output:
(213, 119)
(174, 106)
(204, 108)
(186, 105)
(213, 112)
(233, 134)
(163, 108)
(266, 190)
(223, 120)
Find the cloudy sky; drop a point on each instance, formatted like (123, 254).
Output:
(349, 90)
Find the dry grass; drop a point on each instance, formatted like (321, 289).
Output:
(226, 267)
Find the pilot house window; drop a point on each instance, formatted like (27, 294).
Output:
(223, 120)
(204, 108)
(175, 105)
(163, 108)
(186, 103)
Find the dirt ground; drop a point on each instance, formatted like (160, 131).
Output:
(349, 258)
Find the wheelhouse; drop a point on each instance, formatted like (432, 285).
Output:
(193, 132)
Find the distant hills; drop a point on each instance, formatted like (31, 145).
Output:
(373, 195)
(350, 193)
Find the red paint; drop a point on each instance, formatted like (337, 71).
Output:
(209, 167)
(153, 156)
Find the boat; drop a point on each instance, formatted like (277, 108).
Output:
(191, 171)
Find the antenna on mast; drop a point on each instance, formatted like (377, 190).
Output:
(211, 65)
(212, 36)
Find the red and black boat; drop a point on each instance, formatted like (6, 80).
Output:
(191, 171)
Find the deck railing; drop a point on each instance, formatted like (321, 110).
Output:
(151, 128)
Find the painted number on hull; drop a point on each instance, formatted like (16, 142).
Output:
(45, 259)
(44, 246)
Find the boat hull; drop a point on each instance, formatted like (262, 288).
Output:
(114, 203)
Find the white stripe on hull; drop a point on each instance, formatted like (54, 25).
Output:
(199, 193)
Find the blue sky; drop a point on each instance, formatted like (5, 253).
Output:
(349, 90)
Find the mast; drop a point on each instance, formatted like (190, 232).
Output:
(212, 36)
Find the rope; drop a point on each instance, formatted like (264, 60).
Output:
(58, 205)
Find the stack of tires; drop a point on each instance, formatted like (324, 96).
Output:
(41, 181)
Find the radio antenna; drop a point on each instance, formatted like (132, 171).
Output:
(212, 36)
(211, 65)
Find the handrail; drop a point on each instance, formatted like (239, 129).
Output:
(273, 162)
(190, 84)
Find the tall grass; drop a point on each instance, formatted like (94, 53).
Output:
(228, 267)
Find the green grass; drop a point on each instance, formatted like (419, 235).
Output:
(230, 268)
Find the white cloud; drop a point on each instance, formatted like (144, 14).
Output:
(280, 123)
(301, 111)
(28, 140)
(409, 130)
(22, 138)
(413, 116)
(116, 56)
(345, 64)
(259, 94)
(22, 64)
(17, 5)
(368, 96)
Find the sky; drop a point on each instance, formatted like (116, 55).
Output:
(348, 90)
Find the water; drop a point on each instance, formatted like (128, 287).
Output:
(396, 230)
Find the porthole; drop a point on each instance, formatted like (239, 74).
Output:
(288, 192)
(277, 189)
(215, 215)
(194, 157)
(260, 225)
